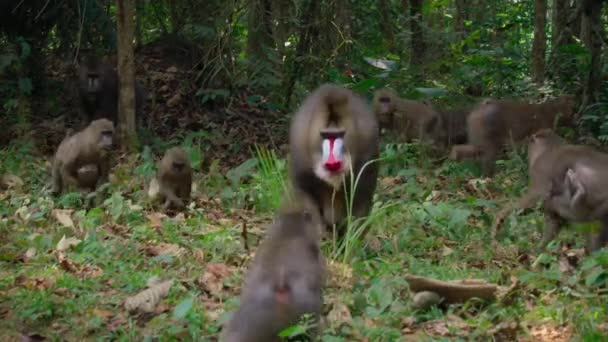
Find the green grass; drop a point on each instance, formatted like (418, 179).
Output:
(428, 219)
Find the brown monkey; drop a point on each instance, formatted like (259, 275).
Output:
(409, 119)
(174, 178)
(333, 141)
(494, 124)
(571, 181)
(453, 127)
(285, 280)
(82, 159)
(98, 91)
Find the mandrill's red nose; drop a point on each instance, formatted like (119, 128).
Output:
(333, 165)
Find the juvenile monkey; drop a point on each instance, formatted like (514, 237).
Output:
(98, 88)
(285, 280)
(568, 198)
(571, 180)
(494, 124)
(409, 119)
(82, 159)
(174, 178)
(333, 139)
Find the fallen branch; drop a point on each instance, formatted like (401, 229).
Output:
(458, 291)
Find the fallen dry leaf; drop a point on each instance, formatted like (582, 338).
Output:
(446, 251)
(156, 219)
(146, 300)
(10, 181)
(564, 265)
(339, 314)
(450, 326)
(28, 255)
(164, 249)
(66, 263)
(547, 332)
(199, 255)
(63, 216)
(65, 244)
(340, 274)
(153, 189)
(102, 313)
(213, 278)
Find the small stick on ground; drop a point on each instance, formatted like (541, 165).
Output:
(244, 235)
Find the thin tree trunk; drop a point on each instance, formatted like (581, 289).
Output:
(126, 72)
(387, 24)
(139, 8)
(417, 42)
(259, 27)
(559, 21)
(591, 35)
(539, 45)
(308, 33)
(460, 17)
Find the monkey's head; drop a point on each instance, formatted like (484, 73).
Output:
(298, 259)
(102, 131)
(90, 75)
(384, 106)
(179, 160)
(333, 161)
(540, 142)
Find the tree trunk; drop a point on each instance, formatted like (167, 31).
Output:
(539, 45)
(308, 33)
(591, 35)
(259, 26)
(559, 21)
(139, 8)
(460, 17)
(126, 72)
(387, 24)
(417, 42)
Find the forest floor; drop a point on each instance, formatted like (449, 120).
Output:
(67, 271)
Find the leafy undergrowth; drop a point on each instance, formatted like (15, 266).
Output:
(123, 271)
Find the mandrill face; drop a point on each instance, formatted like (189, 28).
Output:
(334, 161)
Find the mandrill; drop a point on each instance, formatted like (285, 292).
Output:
(333, 142)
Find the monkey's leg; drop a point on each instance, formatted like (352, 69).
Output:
(56, 179)
(488, 160)
(104, 171)
(553, 224)
(172, 201)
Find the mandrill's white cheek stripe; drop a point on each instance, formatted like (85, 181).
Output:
(338, 146)
(325, 147)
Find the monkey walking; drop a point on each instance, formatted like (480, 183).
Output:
(493, 124)
(408, 119)
(286, 278)
(334, 134)
(571, 181)
(82, 159)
